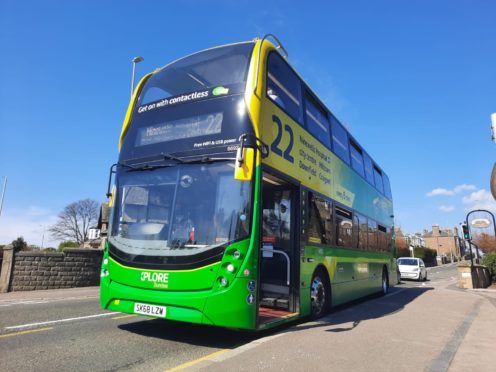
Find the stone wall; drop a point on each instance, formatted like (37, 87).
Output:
(72, 268)
(477, 276)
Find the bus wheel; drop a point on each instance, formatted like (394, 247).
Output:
(385, 281)
(319, 294)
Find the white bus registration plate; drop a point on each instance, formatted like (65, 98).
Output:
(151, 310)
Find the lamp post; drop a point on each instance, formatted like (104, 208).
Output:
(136, 60)
(3, 194)
(481, 223)
(42, 236)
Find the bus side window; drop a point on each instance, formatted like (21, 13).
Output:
(378, 180)
(283, 86)
(340, 140)
(389, 238)
(357, 158)
(369, 173)
(373, 236)
(382, 238)
(344, 227)
(320, 222)
(387, 186)
(362, 233)
(317, 120)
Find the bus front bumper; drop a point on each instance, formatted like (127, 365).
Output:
(228, 307)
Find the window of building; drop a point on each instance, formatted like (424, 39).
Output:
(317, 120)
(357, 158)
(344, 227)
(320, 221)
(372, 238)
(369, 172)
(283, 86)
(378, 179)
(340, 140)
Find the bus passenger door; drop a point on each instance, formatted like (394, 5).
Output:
(278, 261)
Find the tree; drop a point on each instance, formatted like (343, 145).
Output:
(19, 244)
(485, 242)
(75, 220)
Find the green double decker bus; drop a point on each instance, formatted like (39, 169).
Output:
(239, 200)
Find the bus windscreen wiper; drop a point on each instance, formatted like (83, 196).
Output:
(206, 159)
(144, 166)
(171, 157)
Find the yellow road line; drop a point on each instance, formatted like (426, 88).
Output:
(196, 361)
(26, 332)
(123, 316)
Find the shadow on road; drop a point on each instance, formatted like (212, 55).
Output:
(341, 319)
(347, 317)
(193, 334)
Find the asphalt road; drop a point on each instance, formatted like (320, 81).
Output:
(73, 333)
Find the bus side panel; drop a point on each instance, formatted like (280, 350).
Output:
(353, 274)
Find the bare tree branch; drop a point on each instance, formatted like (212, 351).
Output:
(74, 221)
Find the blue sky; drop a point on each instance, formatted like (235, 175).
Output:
(414, 82)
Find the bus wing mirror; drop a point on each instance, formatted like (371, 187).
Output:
(243, 170)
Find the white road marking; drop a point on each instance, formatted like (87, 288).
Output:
(60, 321)
(43, 301)
(25, 303)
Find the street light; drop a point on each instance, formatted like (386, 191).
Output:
(3, 194)
(136, 60)
(42, 236)
(480, 222)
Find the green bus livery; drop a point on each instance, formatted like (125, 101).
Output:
(239, 200)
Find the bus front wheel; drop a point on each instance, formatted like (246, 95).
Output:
(319, 294)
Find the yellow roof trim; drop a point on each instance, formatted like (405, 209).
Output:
(130, 108)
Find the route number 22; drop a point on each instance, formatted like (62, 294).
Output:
(277, 141)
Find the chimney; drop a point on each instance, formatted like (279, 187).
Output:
(435, 230)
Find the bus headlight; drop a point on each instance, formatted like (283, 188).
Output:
(230, 268)
(223, 281)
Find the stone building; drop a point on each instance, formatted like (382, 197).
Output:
(445, 241)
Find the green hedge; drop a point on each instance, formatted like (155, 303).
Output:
(67, 244)
(426, 254)
(489, 260)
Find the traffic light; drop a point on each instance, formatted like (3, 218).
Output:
(466, 233)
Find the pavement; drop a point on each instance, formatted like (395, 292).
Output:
(431, 326)
(49, 294)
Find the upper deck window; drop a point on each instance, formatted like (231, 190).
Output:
(221, 66)
(283, 86)
(369, 173)
(378, 179)
(340, 140)
(387, 186)
(357, 158)
(317, 120)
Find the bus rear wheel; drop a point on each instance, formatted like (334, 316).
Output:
(319, 294)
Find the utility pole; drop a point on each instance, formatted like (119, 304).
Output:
(3, 194)
(492, 183)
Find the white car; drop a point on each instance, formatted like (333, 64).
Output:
(412, 268)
